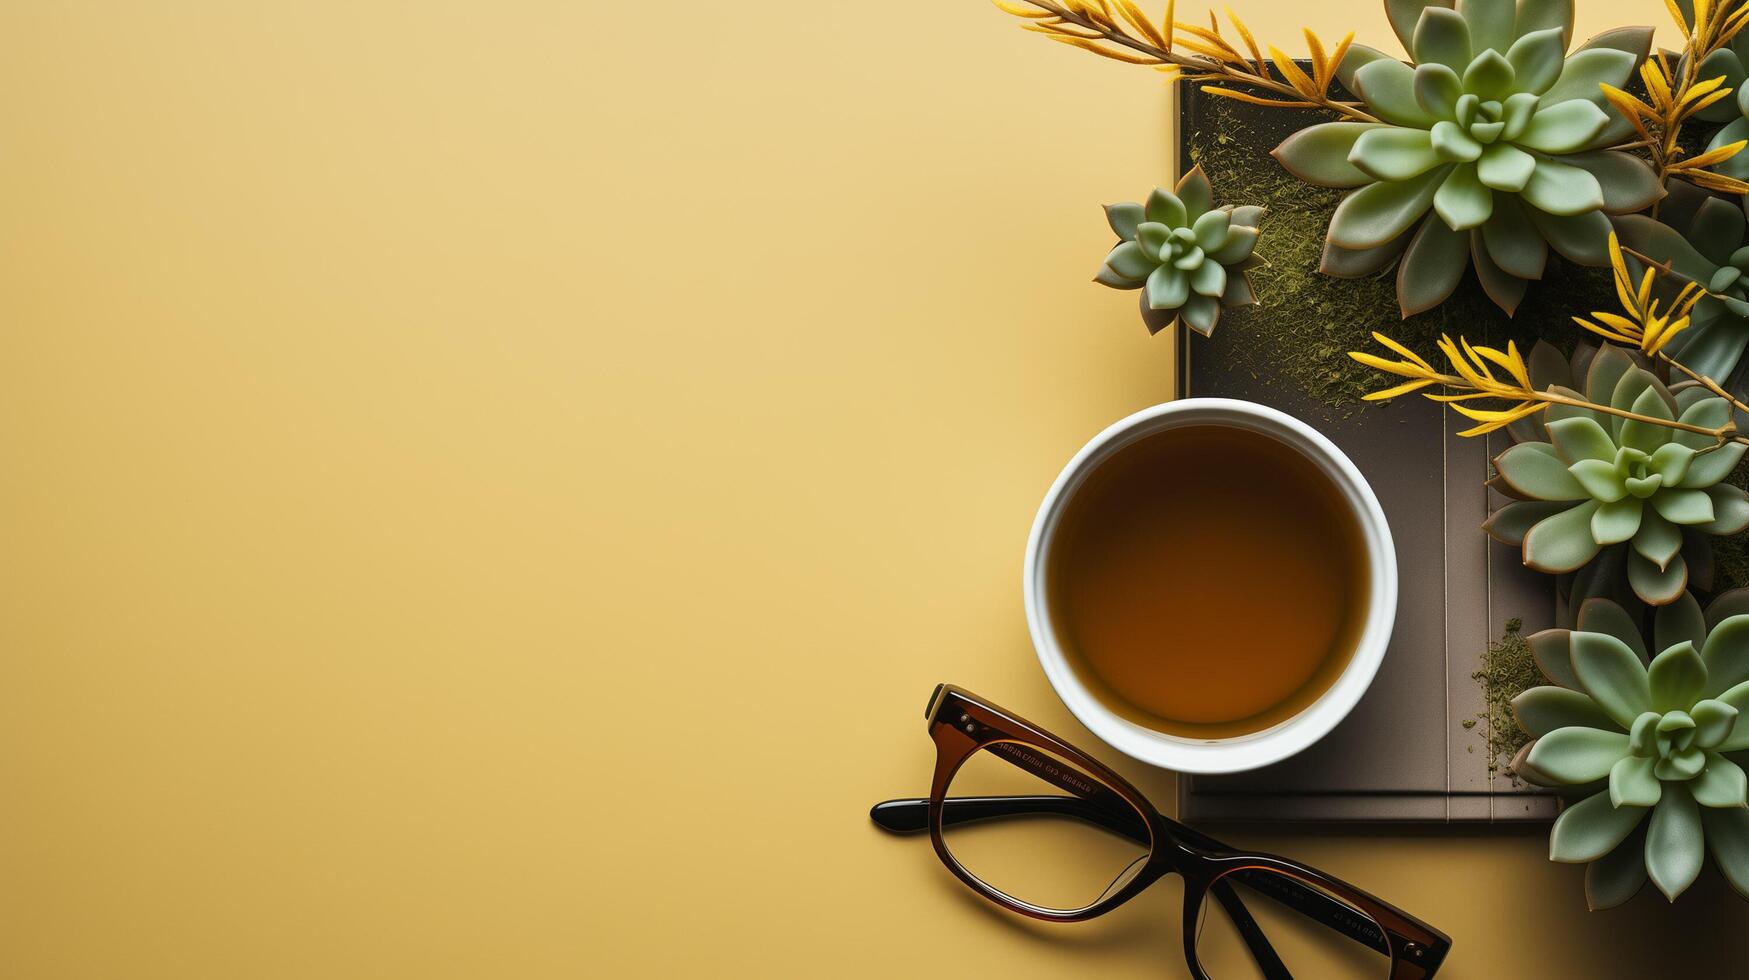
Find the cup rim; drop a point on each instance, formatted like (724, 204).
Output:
(1279, 741)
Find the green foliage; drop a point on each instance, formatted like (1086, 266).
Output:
(1661, 744)
(1587, 480)
(1188, 256)
(1490, 150)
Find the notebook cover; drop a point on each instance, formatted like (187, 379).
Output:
(1404, 754)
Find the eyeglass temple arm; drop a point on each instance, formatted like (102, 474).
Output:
(912, 816)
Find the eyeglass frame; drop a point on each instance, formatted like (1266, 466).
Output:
(962, 724)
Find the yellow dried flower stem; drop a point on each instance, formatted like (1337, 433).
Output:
(1092, 26)
(1474, 381)
(1673, 97)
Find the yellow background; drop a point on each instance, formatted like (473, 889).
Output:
(486, 489)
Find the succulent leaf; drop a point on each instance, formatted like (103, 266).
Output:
(1562, 543)
(1377, 213)
(1431, 268)
(1727, 835)
(1679, 622)
(1586, 71)
(1562, 189)
(1730, 505)
(1720, 784)
(1536, 59)
(1610, 619)
(1582, 238)
(1591, 828)
(1657, 540)
(1512, 241)
(1582, 438)
(1504, 167)
(1631, 782)
(1613, 675)
(1551, 649)
(1726, 656)
(1617, 876)
(1196, 193)
(1534, 470)
(1442, 37)
(1462, 201)
(1676, 678)
(1124, 218)
(1566, 127)
(1674, 843)
(1627, 184)
(1388, 86)
(1714, 722)
(1657, 584)
(1510, 523)
(1541, 710)
(1616, 521)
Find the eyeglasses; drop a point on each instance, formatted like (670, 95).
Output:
(1041, 828)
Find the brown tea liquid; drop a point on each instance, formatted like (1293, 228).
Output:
(1208, 581)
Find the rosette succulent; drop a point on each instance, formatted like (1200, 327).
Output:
(1704, 241)
(1654, 753)
(1188, 256)
(1601, 480)
(1490, 149)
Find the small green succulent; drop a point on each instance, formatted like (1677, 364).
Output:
(1702, 238)
(1633, 741)
(1601, 480)
(1495, 131)
(1189, 257)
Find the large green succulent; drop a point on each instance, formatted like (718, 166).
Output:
(1601, 480)
(1663, 741)
(1189, 257)
(1495, 131)
(1702, 238)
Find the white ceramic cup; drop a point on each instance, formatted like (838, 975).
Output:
(1258, 748)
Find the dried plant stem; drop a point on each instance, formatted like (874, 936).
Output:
(1091, 31)
(1724, 433)
(1710, 384)
(1673, 96)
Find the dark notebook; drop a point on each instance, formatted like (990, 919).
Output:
(1405, 754)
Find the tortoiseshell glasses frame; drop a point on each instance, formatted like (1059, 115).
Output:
(962, 724)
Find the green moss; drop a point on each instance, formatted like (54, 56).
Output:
(1305, 322)
(1508, 670)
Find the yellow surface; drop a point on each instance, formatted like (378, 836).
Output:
(488, 488)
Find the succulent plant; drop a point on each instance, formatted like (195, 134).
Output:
(1601, 480)
(1189, 257)
(1495, 131)
(1702, 239)
(1659, 744)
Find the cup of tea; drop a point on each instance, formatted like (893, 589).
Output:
(1210, 585)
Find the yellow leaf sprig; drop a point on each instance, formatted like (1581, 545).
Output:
(1484, 374)
(1121, 31)
(1641, 324)
(1674, 95)
(1472, 379)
